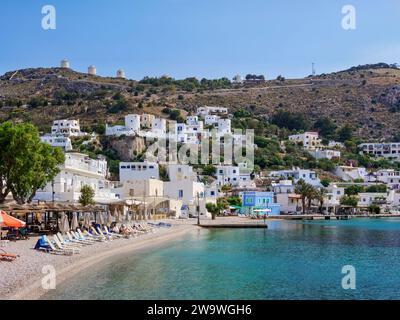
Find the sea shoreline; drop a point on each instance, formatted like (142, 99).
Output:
(25, 281)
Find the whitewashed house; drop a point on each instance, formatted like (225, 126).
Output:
(211, 119)
(296, 174)
(350, 173)
(286, 196)
(204, 111)
(332, 198)
(131, 127)
(389, 177)
(325, 154)
(138, 171)
(159, 126)
(236, 176)
(390, 150)
(67, 128)
(192, 194)
(77, 171)
(178, 172)
(309, 140)
(368, 198)
(59, 141)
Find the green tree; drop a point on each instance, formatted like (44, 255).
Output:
(209, 170)
(345, 133)
(320, 195)
(26, 163)
(215, 209)
(87, 196)
(326, 127)
(305, 191)
(351, 201)
(374, 209)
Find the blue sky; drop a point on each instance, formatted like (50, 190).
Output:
(202, 38)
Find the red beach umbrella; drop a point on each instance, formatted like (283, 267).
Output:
(10, 222)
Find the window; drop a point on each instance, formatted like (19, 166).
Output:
(180, 193)
(212, 193)
(123, 167)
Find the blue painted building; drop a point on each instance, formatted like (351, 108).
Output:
(257, 202)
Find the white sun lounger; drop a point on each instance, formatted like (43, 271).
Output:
(55, 250)
(88, 236)
(68, 242)
(59, 246)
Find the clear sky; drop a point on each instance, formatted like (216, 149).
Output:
(202, 38)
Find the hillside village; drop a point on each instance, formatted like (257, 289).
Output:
(301, 164)
(185, 189)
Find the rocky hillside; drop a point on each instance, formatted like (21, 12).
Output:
(366, 97)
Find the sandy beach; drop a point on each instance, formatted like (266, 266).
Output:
(21, 279)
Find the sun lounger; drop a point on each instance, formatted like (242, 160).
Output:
(7, 256)
(109, 237)
(112, 234)
(73, 236)
(59, 246)
(68, 242)
(90, 237)
(52, 249)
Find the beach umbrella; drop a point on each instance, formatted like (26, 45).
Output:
(10, 222)
(64, 224)
(101, 218)
(117, 215)
(86, 221)
(127, 216)
(74, 223)
(109, 219)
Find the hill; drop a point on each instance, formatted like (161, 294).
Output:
(364, 97)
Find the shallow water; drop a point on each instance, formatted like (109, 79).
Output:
(290, 260)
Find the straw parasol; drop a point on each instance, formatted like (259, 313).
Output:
(117, 215)
(64, 224)
(101, 218)
(109, 219)
(86, 221)
(74, 223)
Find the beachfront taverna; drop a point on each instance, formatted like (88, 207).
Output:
(259, 202)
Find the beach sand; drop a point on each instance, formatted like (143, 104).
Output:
(22, 278)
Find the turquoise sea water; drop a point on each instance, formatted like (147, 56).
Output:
(290, 260)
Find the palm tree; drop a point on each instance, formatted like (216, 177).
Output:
(304, 190)
(311, 195)
(320, 196)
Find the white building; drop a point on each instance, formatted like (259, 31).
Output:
(234, 176)
(131, 127)
(121, 74)
(57, 141)
(389, 176)
(178, 172)
(296, 174)
(385, 150)
(224, 126)
(286, 197)
(159, 126)
(211, 119)
(138, 171)
(368, 198)
(65, 64)
(92, 70)
(335, 144)
(350, 173)
(204, 111)
(237, 79)
(79, 170)
(332, 198)
(309, 140)
(67, 128)
(325, 154)
(192, 194)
